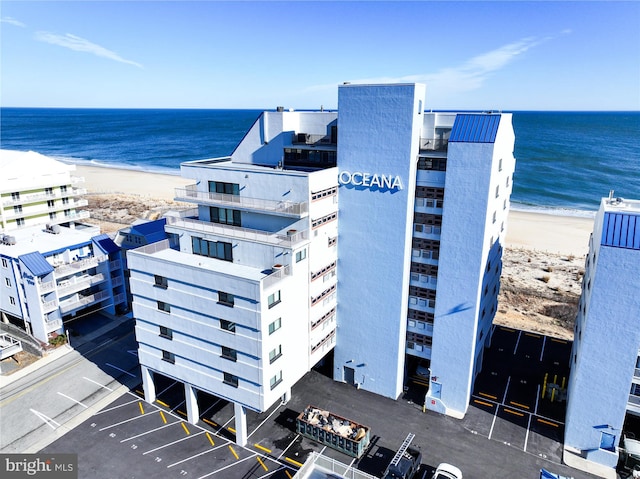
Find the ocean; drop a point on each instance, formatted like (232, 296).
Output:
(565, 161)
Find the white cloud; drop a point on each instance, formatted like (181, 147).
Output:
(79, 44)
(12, 21)
(468, 76)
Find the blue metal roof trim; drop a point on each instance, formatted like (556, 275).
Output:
(149, 228)
(475, 128)
(621, 230)
(106, 244)
(36, 263)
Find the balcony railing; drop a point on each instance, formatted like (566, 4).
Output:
(77, 266)
(9, 346)
(79, 283)
(46, 287)
(115, 264)
(26, 198)
(276, 276)
(80, 301)
(636, 373)
(434, 144)
(53, 325)
(635, 400)
(309, 139)
(78, 215)
(48, 306)
(238, 232)
(289, 208)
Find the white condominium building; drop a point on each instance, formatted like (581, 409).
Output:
(52, 268)
(604, 386)
(360, 238)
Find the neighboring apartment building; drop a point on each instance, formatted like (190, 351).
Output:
(52, 268)
(604, 386)
(385, 247)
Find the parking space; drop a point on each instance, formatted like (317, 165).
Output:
(509, 404)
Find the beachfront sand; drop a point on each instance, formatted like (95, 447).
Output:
(543, 260)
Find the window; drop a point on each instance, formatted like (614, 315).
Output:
(435, 164)
(8, 282)
(275, 380)
(15, 196)
(52, 215)
(17, 209)
(300, 255)
(497, 191)
(65, 201)
(225, 298)
(166, 332)
(212, 249)
(48, 191)
(63, 188)
(230, 379)
(324, 193)
(12, 300)
(273, 327)
(228, 325)
(226, 188)
(494, 217)
(325, 219)
(500, 164)
(5, 264)
(274, 299)
(67, 212)
(20, 221)
(607, 441)
(168, 357)
(507, 182)
(228, 353)
(225, 216)
(162, 306)
(160, 281)
(275, 353)
(332, 241)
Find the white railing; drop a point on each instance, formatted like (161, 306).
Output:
(80, 301)
(77, 179)
(238, 232)
(48, 306)
(80, 265)
(53, 325)
(153, 247)
(46, 287)
(9, 346)
(30, 198)
(317, 461)
(77, 215)
(276, 276)
(191, 194)
(79, 283)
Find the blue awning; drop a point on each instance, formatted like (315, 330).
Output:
(621, 230)
(106, 244)
(475, 128)
(36, 264)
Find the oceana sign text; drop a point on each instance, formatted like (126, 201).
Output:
(369, 180)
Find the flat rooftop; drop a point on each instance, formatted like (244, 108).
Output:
(35, 238)
(621, 205)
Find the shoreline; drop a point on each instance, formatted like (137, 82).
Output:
(545, 232)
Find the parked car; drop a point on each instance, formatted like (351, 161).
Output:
(447, 471)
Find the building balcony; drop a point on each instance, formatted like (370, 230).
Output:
(424, 281)
(633, 404)
(237, 232)
(48, 306)
(80, 301)
(418, 350)
(190, 194)
(115, 264)
(277, 275)
(77, 179)
(117, 281)
(9, 346)
(420, 327)
(78, 283)
(28, 198)
(434, 144)
(424, 256)
(422, 304)
(75, 216)
(66, 269)
(426, 231)
(47, 287)
(53, 325)
(315, 140)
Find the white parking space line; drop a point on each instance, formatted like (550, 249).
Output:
(271, 473)
(526, 437)
(172, 443)
(544, 342)
(127, 420)
(493, 423)
(265, 420)
(196, 455)
(97, 383)
(71, 399)
(535, 409)
(47, 420)
(291, 444)
(179, 404)
(227, 467)
(148, 432)
(118, 406)
(210, 407)
(133, 352)
(121, 370)
(517, 342)
(504, 398)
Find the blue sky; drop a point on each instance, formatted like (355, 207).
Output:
(513, 55)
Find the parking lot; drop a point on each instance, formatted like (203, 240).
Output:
(133, 438)
(508, 404)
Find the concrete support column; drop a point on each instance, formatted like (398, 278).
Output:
(191, 398)
(241, 424)
(148, 385)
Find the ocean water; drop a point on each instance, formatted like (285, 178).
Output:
(565, 161)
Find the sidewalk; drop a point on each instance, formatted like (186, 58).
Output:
(75, 343)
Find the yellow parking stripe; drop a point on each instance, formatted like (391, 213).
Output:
(258, 446)
(233, 452)
(139, 392)
(211, 423)
(288, 475)
(162, 403)
(262, 463)
(532, 335)
(483, 403)
(141, 408)
(511, 411)
(518, 404)
(184, 426)
(295, 463)
(558, 341)
(182, 413)
(232, 430)
(547, 422)
(507, 329)
(164, 419)
(210, 440)
(488, 396)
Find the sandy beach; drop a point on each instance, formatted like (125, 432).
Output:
(543, 260)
